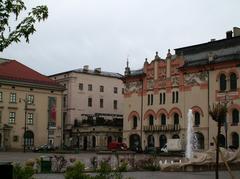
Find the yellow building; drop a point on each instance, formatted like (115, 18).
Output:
(158, 97)
(30, 107)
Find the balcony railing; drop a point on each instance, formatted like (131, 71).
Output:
(162, 128)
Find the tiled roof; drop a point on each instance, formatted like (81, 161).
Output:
(12, 70)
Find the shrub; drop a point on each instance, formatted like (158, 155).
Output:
(76, 172)
(22, 172)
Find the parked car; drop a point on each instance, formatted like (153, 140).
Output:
(117, 146)
(44, 148)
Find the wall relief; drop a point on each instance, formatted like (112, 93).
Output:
(196, 78)
(135, 86)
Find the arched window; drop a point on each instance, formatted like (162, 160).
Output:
(197, 119)
(134, 122)
(150, 120)
(223, 82)
(176, 118)
(235, 117)
(163, 119)
(151, 142)
(233, 82)
(235, 140)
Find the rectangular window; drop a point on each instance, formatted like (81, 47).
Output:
(12, 117)
(80, 86)
(13, 98)
(90, 87)
(15, 138)
(115, 90)
(122, 90)
(30, 119)
(151, 99)
(164, 98)
(114, 104)
(173, 97)
(0, 117)
(89, 102)
(101, 88)
(176, 93)
(30, 99)
(101, 103)
(65, 101)
(1, 96)
(160, 98)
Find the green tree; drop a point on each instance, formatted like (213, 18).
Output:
(24, 28)
(218, 113)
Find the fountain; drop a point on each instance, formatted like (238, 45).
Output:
(201, 160)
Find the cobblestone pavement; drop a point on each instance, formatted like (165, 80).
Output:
(157, 175)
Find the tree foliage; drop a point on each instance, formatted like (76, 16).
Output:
(218, 111)
(24, 28)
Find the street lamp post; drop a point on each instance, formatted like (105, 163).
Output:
(25, 122)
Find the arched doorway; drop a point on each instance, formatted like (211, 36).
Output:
(29, 138)
(162, 141)
(222, 141)
(198, 139)
(85, 141)
(235, 140)
(93, 141)
(134, 142)
(109, 140)
(151, 142)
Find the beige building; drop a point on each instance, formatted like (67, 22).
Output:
(158, 97)
(93, 111)
(30, 107)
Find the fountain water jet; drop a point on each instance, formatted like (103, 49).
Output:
(189, 147)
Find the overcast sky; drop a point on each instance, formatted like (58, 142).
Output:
(104, 33)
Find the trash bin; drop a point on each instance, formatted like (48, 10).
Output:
(46, 165)
(6, 170)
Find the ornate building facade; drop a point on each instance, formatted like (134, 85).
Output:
(92, 107)
(30, 107)
(158, 97)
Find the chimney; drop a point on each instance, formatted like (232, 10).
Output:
(236, 31)
(229, 34)
(85, 68)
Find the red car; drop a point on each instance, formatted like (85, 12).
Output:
(117, 146)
